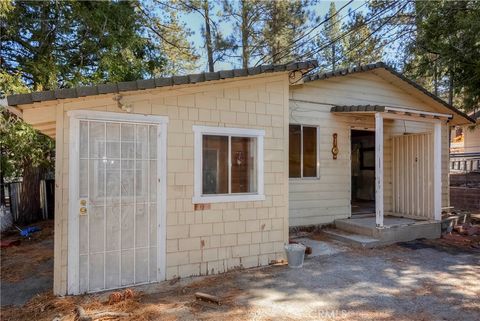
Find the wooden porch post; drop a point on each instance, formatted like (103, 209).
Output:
(437, 171)
(379, 169)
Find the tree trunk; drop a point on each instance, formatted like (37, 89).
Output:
(275, 33)
(208, 37)
(333, 57)
(29, 208)
(2, 181)
(245, 34)
(450, 89)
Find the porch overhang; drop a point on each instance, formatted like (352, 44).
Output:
(397, 113)
(391, 112)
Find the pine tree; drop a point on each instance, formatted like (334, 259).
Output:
(247, 16)
(332, 56)
(216, 44)
(361, 45)
(285, 21)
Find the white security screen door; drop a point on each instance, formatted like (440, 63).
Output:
(116, 203)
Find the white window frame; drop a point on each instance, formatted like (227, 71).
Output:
(301, 152)
(199, 132)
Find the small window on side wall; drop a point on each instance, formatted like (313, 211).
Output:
(228, 164)
(303, 151)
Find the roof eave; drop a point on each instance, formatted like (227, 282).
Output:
(143, 84)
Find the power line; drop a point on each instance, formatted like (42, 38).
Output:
(376, 30)
(291, 49)
(262, 59)
(313, 52)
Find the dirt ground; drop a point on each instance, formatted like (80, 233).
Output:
(421, 280)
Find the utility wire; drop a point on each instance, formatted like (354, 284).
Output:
(264, 57)
(292, 49)
(316, 51)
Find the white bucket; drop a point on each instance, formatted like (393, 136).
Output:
(295, 255)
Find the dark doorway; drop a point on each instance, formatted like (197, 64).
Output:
(363, 172)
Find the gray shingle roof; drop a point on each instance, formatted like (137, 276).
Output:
(377, 65)
(355, 108)
(142, 84)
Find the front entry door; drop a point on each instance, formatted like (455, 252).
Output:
(116, 205)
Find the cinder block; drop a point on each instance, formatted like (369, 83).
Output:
(242, 118)
(172, 272)
(231, 215)
(201, 229)
(195, 256)
(228, 117)
(177, 231)
(218, 228)
(172, 246)
(264, 120)
(233, 263)
(248, 93)
(210, 255)
(234, 227)
(212, 216)
(276, 99)
(265, 225)
(229, 239)
(249, 261)
(183, 178)
(260, 108)
(254, 249)
(177, 258)
(189, 270)
(186, 100)
(252, 226)
(244, 238)
(206, 101)
(189, 244)
(275, 235)
(266, 247)
(204, 115)
(241, 250)
(277, 223)
(237, 105)
(248, 214)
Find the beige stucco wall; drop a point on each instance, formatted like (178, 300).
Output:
(227, 236)
(322, 200)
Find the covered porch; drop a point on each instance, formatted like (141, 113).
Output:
(408, 175)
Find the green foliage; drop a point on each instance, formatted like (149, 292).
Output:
(361, 46)
(446, 51)
(22, 146)
(332, 56)
(62, 44)
(286, 20)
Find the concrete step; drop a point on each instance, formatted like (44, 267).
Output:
(350, 225)
(352, 238)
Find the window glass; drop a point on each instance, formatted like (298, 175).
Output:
(302, 151)
(243, 156)
(295, 146)
(215, 164)
(309, 151)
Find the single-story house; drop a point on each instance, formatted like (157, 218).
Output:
(200, 174)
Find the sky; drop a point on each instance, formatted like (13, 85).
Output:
(194, 21)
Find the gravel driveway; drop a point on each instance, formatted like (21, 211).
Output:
(413, 281)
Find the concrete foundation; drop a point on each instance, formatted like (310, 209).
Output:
(363, 232)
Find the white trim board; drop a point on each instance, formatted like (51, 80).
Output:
(73, 278)
(199, 131)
